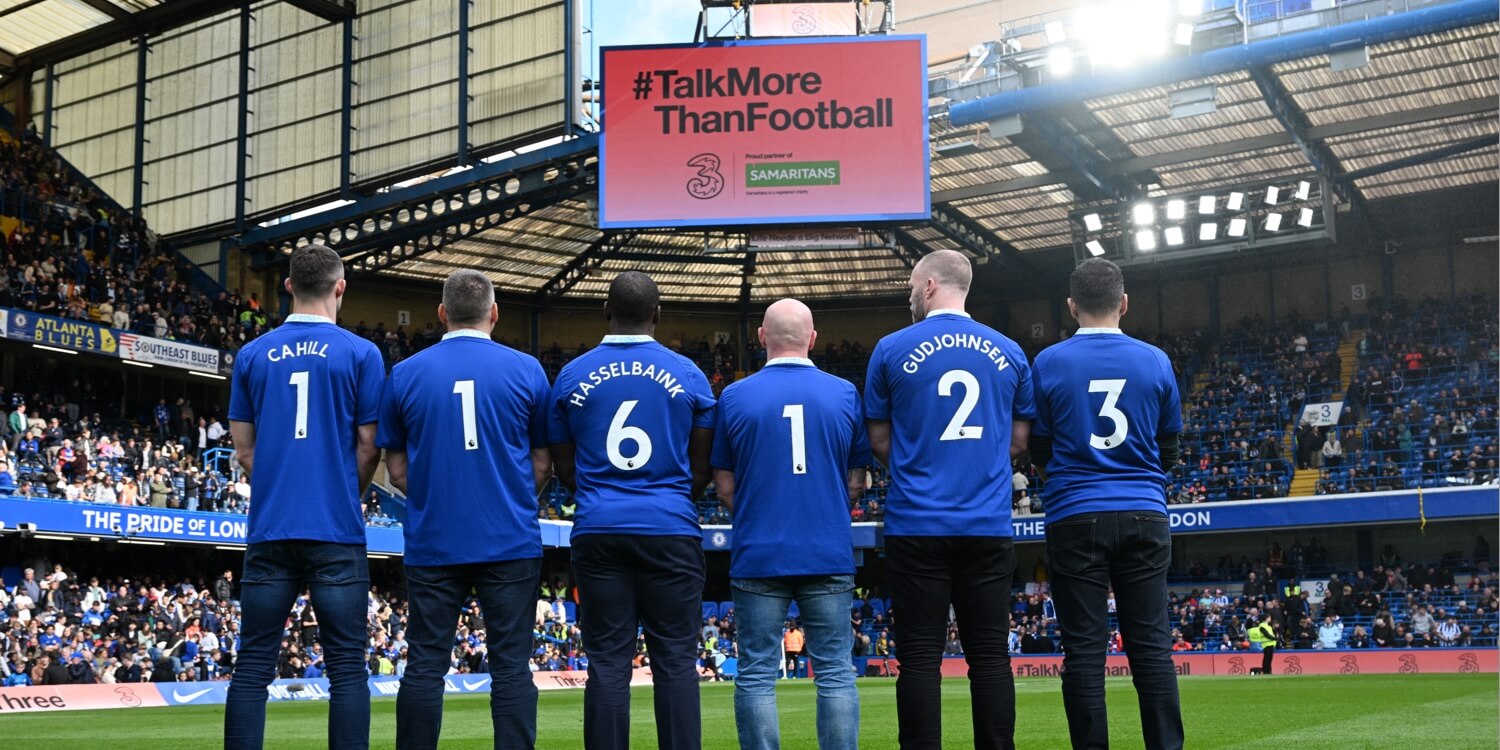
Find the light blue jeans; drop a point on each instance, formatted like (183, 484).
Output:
(760, 606)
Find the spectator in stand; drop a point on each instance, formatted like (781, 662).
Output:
(1333, 451)
(1330, 632)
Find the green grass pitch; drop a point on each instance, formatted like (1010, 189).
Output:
(1374, 712)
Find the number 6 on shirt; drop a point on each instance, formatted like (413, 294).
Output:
(619, 433)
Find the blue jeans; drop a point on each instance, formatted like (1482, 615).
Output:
(507, 596)
(1128, 551)
(760, 607)
(338, 578)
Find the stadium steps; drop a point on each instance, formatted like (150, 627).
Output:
(1304, 483)
(1349, 355)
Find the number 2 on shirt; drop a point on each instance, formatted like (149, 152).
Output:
(1111, 390)
(956, 429)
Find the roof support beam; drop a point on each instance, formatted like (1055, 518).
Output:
(583, 265)
(974, 237)
(1258, 143)
(1294, 121)
(1426, 157)
(108, 8)
(907, 248)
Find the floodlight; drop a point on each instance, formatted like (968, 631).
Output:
(1144, 214)
(1208, 231)
(1092, 222)
(1183, 36)
(1237, 227)
(1236, 201)
(1206, 205)
(1176, 209)
(1273, 194)
(1056, 32)
(1145, 239)
(1060, 62)
(1174, 236)
(1304, 218)
(1273, 222)
(1304, 189)
(1095, 248)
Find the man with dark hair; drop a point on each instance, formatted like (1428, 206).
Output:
(1108, 419)
(463, 424)
(302, 411)
(948, 405)
(631, 426)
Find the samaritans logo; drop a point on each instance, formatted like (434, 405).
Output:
(791, 174)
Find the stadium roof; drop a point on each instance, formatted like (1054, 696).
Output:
(1418, 118)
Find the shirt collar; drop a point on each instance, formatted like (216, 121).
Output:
(1089, 331)
(626, 339)
(305, 318)
(466, 333)
(804, 361)
(948, 311)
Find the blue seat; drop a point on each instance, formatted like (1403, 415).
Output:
(724, 609)
(791, 611)
(710, 609)
(570, 611)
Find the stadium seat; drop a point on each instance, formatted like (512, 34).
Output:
(710, 609)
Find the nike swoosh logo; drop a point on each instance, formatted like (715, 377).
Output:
(473, 685)
(190, 697)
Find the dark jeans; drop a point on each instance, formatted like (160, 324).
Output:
(654, 583)
(507, 596)
(1129, 550)
(338, 579)
(974, 575)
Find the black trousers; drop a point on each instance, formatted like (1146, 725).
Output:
(974, 575)
(1129, 551)
(654, 583)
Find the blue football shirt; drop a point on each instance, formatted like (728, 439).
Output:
(790, 433)
(628, 407)
(1103, 397)
(306, 386)
(468, 413)
(950, 387)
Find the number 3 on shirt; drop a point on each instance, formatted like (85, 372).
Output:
(619, 433)
(1111, 390)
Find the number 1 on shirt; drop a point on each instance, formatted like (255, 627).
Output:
(299, 381)
(793, 412)
(465, 391)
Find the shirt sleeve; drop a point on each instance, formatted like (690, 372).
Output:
(1024, 404)
(704, 413)
(723, 452)
(391, 433)
(877, 388)
(240, 408)
(558, 429)
(1171, 406)
(860, 455)
(1041, 425)
(371, 385)
(541, 395)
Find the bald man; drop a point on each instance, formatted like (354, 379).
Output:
(948, 403)
(789, 455)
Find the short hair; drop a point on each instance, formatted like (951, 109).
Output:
(314, 269)
(950, 268)
(468, 296)
(1097, 286)
(633, 298)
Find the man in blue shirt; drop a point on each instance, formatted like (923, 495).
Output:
(463, 424)
(948, 403)
(1108, 419)
(631, 429)
(302, 409)
(789, 454)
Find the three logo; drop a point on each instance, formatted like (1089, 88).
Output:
(709, 182)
